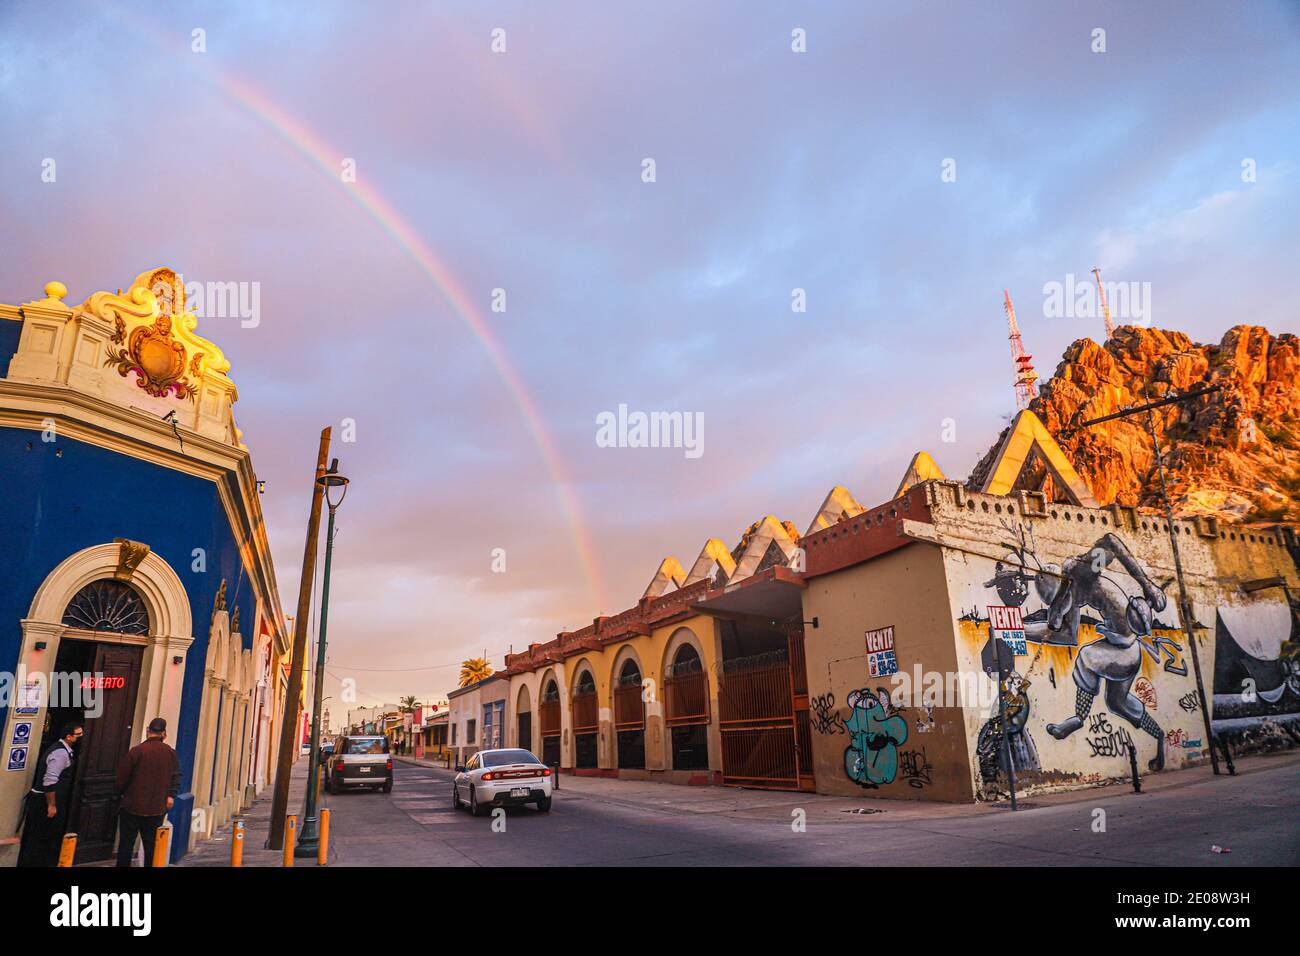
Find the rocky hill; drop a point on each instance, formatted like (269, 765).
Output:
(1234, 453)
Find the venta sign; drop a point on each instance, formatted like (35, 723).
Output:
(881, 661)
(1007, 626)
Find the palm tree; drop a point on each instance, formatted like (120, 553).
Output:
(474, 670)
(408, 705)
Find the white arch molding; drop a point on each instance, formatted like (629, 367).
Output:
(169, 637)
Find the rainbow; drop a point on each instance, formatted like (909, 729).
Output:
(312, 147)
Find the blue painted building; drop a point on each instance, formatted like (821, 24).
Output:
(137, 574)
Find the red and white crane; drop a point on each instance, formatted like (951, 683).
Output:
(1026, 377)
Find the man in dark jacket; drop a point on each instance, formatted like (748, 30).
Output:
(148, 778)
(47, 804)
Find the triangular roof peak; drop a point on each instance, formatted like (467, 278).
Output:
(922, 468)
(839, 505)
(761, 535)
(1026, 435)
(669, 576)
(713, 553)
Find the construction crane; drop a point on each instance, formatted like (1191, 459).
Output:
(1105, 309)
(1026, 377)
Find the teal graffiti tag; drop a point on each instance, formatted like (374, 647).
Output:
(876, 731)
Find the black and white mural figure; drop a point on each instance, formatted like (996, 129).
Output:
(1019, 744)
(1089, 580)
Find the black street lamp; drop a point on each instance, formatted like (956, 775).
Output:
(309, 835)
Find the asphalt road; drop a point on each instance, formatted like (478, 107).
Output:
(1252, 815)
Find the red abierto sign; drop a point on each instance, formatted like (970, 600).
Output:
(106, 683)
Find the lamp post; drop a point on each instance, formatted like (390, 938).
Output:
(309, 835)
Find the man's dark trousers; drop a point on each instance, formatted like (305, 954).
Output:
(128, 825)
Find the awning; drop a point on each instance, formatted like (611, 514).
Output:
(775, 595)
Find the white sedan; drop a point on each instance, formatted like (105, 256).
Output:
(501, 778)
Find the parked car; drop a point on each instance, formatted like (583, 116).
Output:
(359, 762)
(501, 778)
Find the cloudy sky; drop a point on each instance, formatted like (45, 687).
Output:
(914, 161)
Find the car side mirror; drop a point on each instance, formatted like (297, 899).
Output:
(460, 768)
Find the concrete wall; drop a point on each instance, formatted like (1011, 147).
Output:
(924, 753)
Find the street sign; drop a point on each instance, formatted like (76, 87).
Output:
(881, 661)
(1007, 626)
(17, 758)
(30, 699)
(22, 733)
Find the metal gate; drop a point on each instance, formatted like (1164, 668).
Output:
(763, 720)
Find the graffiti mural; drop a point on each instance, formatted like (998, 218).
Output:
(1126, 616)
(823, 716)
(1020, 745)
(876, 730)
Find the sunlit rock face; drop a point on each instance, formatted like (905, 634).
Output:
(1234, 453)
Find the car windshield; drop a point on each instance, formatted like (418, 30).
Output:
(499, 758)
(364, 745)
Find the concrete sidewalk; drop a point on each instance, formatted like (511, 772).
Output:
(778, 804)
(257, 826)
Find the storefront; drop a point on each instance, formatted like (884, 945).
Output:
(144, 587)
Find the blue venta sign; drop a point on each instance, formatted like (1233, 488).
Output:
(17, 758)
(881, 661)
(1007, 626)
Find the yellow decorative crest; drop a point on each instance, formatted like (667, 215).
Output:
(155, 336)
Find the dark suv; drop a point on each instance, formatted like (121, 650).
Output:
(359, 762)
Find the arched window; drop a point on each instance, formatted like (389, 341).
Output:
(629, 675)
(107, 605)
(687, 661)
(586, 685)
(552, 692)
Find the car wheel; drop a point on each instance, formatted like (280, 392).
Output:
(455, 798)
(332, 783)
(388, 787)
(474, 808)
(544, 804)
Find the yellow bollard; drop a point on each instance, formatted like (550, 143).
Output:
(323, 857)
(68, 850)
(162, 846)
(237, 842)
(290, 837)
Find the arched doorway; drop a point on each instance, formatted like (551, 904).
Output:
(93, 600)
(586, 721)
(629, 716)
(686, 697)
(549, 712)
(96, 680)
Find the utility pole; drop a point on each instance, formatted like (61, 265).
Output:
(293, 697)
(1184, 604)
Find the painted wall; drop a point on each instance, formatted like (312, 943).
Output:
(1106, 661)
(868, 741)
(66, 495)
